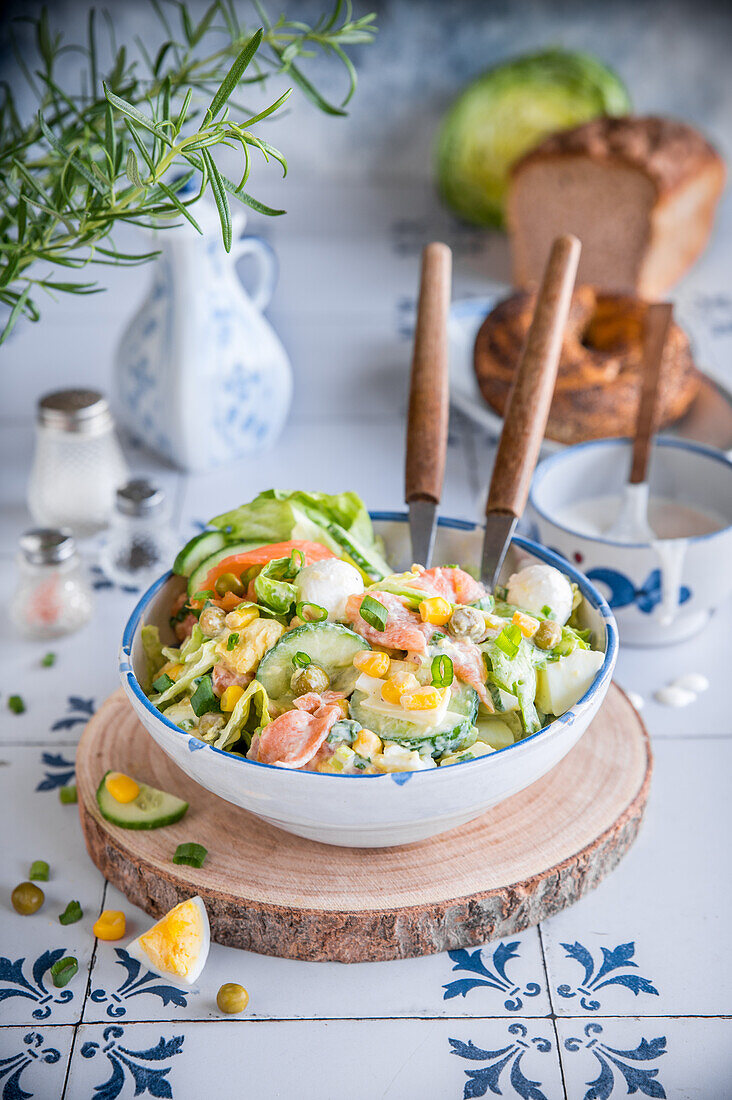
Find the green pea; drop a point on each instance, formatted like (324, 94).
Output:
(232, 998)
(27, 898)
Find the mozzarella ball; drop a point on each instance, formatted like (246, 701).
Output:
(329, 583)
(539, 586)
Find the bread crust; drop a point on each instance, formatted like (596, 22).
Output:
(668, 151)
(600, 372)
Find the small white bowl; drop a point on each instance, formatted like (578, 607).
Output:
(375, 811)
(628, 573)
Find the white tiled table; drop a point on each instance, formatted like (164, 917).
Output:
(630, 991)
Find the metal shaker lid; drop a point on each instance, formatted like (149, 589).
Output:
(75, 410)
(139, 497)
(47, 545)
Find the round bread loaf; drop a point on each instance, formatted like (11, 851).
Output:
(600, 370)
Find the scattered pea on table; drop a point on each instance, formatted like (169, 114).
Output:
(27, 898)
(232, 998)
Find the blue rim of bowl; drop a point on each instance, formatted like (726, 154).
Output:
(548, 556)
(662, 441)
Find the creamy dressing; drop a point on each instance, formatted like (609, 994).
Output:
(672, 523)
(682, 691)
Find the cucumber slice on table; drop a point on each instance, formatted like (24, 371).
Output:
(331, 646)
(150, 810)
(197, 579)
(197, 550)
(450, 732)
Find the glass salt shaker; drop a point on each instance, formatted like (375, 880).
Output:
(141, 543)
(52, 596)
(78, 462)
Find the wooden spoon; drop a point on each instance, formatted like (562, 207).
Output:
(528, 405)
(428, 401)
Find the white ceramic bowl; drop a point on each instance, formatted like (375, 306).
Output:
(628, 573)
(375, 810)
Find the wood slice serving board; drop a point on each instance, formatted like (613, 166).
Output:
(278, 894)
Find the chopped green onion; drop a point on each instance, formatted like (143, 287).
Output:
(438, 636)
(16, 704)
(374, 613)
(204, 594)
(68, 794)
(547, 612)
(162, 683)
(442, 671)
(501, 592)
(204, 698)
(48, 660)
(71, 914)
(509, 640)
(451, 566)
(311, 612)
(63, 971)
(301, 660)
(295, 565)
(232, 641)
(192, 854)
(39, 870)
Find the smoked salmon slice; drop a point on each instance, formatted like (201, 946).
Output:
(293, 739)
(402, 629)
(453, 583)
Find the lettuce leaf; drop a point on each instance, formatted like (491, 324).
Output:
(251, 710)
(152, 647)
(339, 521)
(199, 661)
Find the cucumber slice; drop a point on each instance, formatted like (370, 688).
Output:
(197, 579)
(449, 734)
(150, 810)
(197, 550)
(331, 646)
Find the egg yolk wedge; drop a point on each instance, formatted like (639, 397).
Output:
(177, 946)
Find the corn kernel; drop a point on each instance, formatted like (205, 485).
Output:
(342, 704)
(123, 788)
(527, 624)
(424, 698)
(436, 610)
(241, 616)
(373, 664)
(231, 697)
(393, 688)
(110, 925)
(367, 744)
(172, 669)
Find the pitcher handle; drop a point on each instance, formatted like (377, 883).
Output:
(263, 252)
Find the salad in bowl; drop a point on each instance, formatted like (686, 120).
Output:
(293, 643)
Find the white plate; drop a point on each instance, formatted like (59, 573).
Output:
(709, 420)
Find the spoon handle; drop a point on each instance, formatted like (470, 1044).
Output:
(655, 330)
(525, 418)
(429, 387)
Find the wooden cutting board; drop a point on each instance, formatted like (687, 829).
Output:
(268, 891)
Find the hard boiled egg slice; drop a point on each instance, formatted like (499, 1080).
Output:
(177, 946)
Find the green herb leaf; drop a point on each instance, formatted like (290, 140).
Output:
(68, 795)
(71, 914)
(16, 704)
(442, 671)
(63, 971)
(235, 74)
(39, 871)
(547, 612)
(204, 698)
(232, 642)
(191, 853)
(162, 683)
(374, 613)
(48, 660)
(205, 594)
(301, 660)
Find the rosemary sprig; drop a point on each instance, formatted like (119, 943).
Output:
(124, 149)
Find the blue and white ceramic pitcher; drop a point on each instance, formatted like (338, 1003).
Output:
(201, 376)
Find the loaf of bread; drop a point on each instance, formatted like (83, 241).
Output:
(640, 193)
(600, 376)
